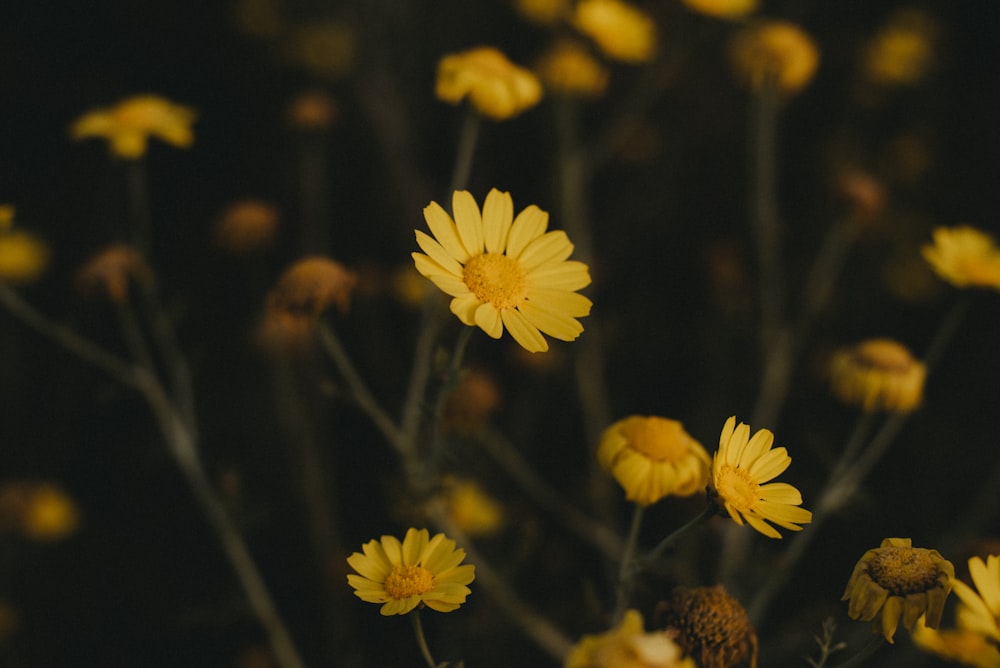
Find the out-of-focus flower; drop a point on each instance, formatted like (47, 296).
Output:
(409, 286)
(740, 468)
(864, 195)
(23, 256)
(311, 286)
(878, 375)
(897, 580)
(543, 12)
(494, 86)
(312, 111)
(246, 226)
(471, 403)
(504, 272)
(128, 125)
(774, 53)
(902, 51)
(7, 212)
(710, 625)
(723, 9)
(39, 510)
(965, 257)
(418, 570)
(259, 18)
(567, 67)
(628, 646)
(324, 48)
(653, 457)
(961, 645)
(621, 31)
(111, 271)
(980, 609)
(469, 507)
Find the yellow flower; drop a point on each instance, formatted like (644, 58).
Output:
(471, 509)
(543, 12)
(620, 30)
(628, 646)
(504, 272)
(961, 645)
(128, 125)
(495, 87)
(901, 52)
(740, 468)
(980, 611)
(247, 225)
(567, 67)
(965, 257)
(774, 53)
(898, 580)
(878, 375)
(653, 457)
(723, 9)
(710, 625)
(50, 515)
(23, 257)
(418, 570)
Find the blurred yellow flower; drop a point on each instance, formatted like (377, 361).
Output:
(628, 646)
(246, 226)
(418, 570)
(494, 86)
(740, 468)
(723, 9)
(965, 257)
(111, 271)
(23, 256)
(471, 509)
(312, 111)
(543, 12)
(710, 626)
(902, 52)
(128, 125)
(568, 67)
(325, 48)
(897, 580)
(39, 510)
(961, 645)
(980, 609)
(621, 31)
(653, 457)
(774, 53)
(504, 272)
(878, 375)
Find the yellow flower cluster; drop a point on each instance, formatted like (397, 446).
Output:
(494, 86)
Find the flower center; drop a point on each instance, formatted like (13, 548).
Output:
(406, 581)
(904, 570)
(659, 439)
(496, 279)
(735, 486)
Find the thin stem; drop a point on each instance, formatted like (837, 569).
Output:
(626, 569)
(866, 653)
(672, 539)
(418, 631)
(467, 140)
(137, 188)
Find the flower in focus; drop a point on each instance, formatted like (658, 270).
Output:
(495, 87)
(723, 9)
(23, 256)
(965, 257)
(418, 570)
(542, 12)
(628, 646)
(774, 53)
(878, 375)
(128, 125)
(961, 645)
(902, 52)
(111, 271)
(653, 457)
(710, 625)
(620, 30)
(504, 272)
(898, 580)
(980, 609)
(567, 67)
(39, 510)
(472, 510)
(740, 468)
(246, 226)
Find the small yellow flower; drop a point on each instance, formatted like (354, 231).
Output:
(961, 645)
(128, 125)
(504, 272)
(740, 468)
(653, 457)
(711, 626)
(418, 570)
(897, 580)
(878, 375)
(472, 510)
(620, 30)
(23, 256)
(902, 52)
(51, 514)
(111, 271)
(246, 226)
(723, 9)
(628, 646)
(965, 257)
(567, 67)
(774, 53)
(543, 12)
(495, 87)
(980, 609)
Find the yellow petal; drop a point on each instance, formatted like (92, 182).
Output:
(549, 248)
(469, 221)
(526, 334)
(498, 215)
(554, 324)
(445, 231)
(437, 253)
(528, 226)
(488, 319)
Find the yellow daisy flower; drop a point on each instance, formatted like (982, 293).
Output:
(878, 375)
(740, 468)
(653, 457)
(775, 51)
(980, 611)
(504, 271)
(568, 67)
(628, 646)
(897, 580)
(723, 9)
(965, 257)
(965, 646)
(418, 570)
(620, 30)
(128, 125)
(495, 87)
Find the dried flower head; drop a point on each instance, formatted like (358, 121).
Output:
(23, 256)
(40, 511)
(311, 286)
(774, 53)
(312, 111)
(653, 457)
(628, 646)
(494, 86)
(961, 645)
(878, 375)
(980, 609)
(111, 271)
(472, 402)
(543, 12)
(246, 226)
(710, 625)
(723, 9)
(897, 580)
(965, 257)
(621, 31)
(128, 125)
(568, 67)
(902, 51)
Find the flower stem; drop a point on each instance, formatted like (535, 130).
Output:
(626, 569)
(418, 631)
(672, 539)
(466, 150)
(866, 653)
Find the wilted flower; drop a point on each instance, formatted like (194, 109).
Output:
(621, 31)
(111, 271)
(878, 375)
(774, 53)
(902, 51)
(568, 67)
(128, 125)
(311, 286)
(723, 9)
(710, 625)
(965, 257)
(628, 646)
(246, 226)
(495, 87)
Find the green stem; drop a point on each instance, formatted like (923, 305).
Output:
(138, 201)
(466, 150)
(418, 631)
(866, 653)
(672, 539)
(626, 569)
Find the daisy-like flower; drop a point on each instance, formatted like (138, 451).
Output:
(418, 570)
(961, 645)
(495, 87)
(980, 609)
(965, 257)
(710, 625)
(878, 375)
(504, 271)
(897, 580)
(128, 125)
(620, 30)
(741, 467)
(628, 646)
(653, 457)
(723, 9)
(774, 51)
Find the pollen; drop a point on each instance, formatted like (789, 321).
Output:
(735, 486)
(496, 279)
(406, 581)
(903, 570)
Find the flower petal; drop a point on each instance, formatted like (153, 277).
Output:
(488, 318)
(570, 275)
(526, 334)
(469, 222)
(445, 231)
(464, 306)
(552, 323)
(437, 253)
(498, 215)
(560, 301)
(551, 247)
(528, 226)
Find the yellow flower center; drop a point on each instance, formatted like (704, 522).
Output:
(904, 570)
(736, 487)
(659, 439)
(406, 581)
(496, 279)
